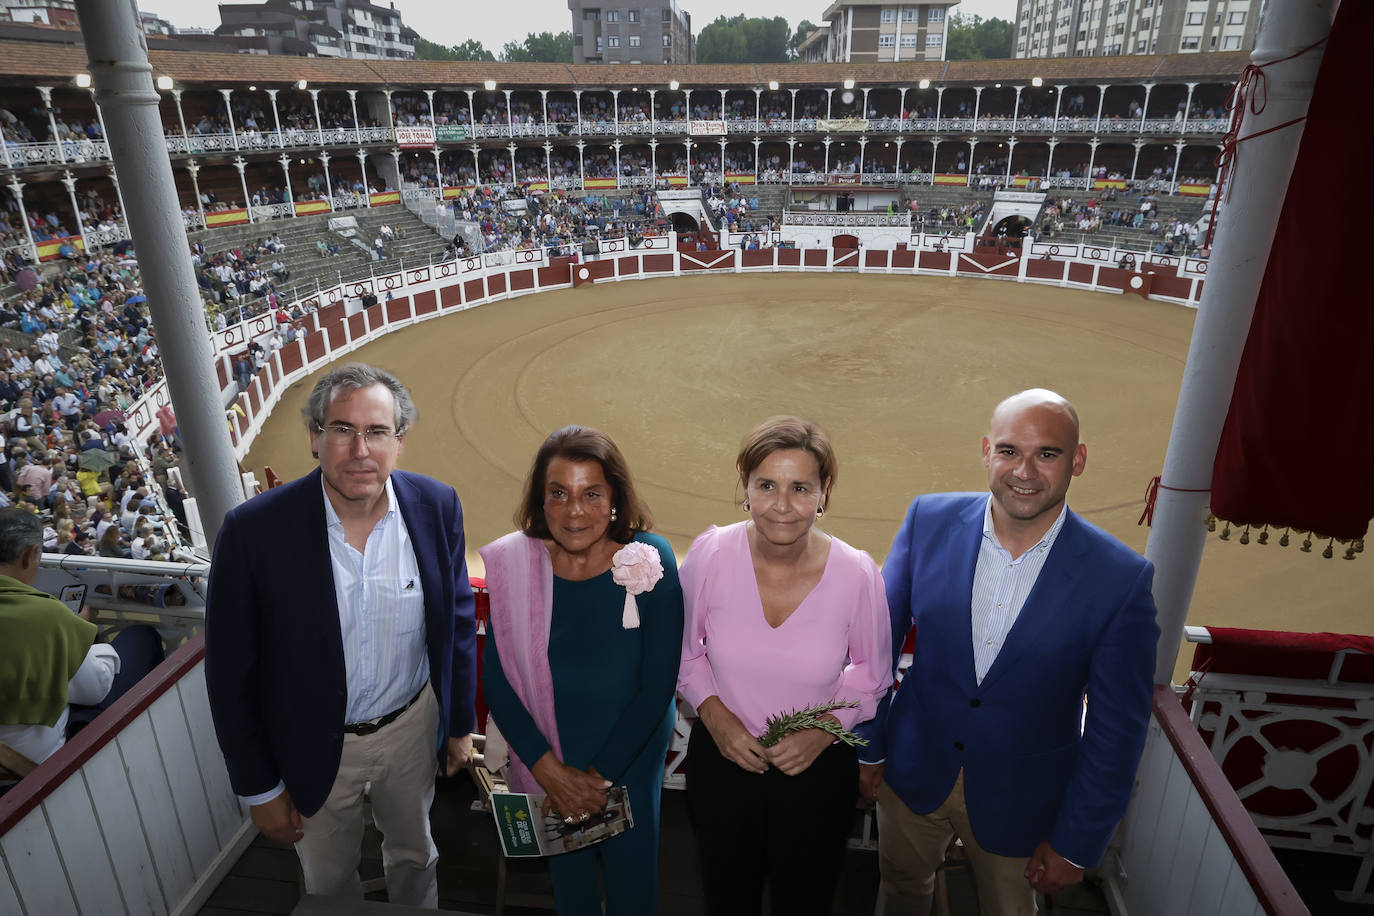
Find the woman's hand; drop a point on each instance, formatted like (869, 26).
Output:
(794, 753)
(569, 792)
(731, 737)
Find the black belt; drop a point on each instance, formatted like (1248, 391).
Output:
(372, 725)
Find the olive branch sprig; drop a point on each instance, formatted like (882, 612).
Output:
(780, 726)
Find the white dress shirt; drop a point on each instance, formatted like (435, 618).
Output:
(1001, 584)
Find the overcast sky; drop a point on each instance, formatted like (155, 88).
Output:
(453, 21)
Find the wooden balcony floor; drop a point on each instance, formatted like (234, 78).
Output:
(264, 878)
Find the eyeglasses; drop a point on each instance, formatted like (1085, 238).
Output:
(342, 435)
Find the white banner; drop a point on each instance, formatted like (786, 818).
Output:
(412, 137)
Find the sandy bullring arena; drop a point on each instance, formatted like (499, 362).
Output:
(902, 372)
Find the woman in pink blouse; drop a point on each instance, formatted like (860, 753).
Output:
(779, 616)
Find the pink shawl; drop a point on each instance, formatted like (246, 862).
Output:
(519, 578)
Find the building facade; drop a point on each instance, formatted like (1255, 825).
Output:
(318, 28)
(854, 31)
(1096, 28)
(653, 33)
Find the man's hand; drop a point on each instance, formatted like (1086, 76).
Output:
(732, 738)
(279, 820)
(569, 792)
(870, 777)
(459, 750)
(1048, 871)
(797, 751)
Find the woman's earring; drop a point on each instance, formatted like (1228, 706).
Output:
(820, 510)
(746, 505)
(614, 516)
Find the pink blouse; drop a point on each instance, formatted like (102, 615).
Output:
(837, 645)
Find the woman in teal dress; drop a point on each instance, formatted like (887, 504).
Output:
(581, 660)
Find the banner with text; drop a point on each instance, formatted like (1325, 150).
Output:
(415, 137)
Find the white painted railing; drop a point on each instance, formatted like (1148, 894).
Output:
(134, 815)
(1187, 846)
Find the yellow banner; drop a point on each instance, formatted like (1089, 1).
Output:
(215, 218)
(740, 177)
(1194, 190)
(1118, 183)
(594, 183)
(450, 193)
(383, 198)
(538, 186)
(306, 207)
(951, 179)
(675, 181)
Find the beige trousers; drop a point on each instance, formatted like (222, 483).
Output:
(395, 766)
(911, 847)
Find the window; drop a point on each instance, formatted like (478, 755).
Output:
(888, 14)
(1145, 22)
(612, 15)
(1230, 43)
(934, 41)
(935, 14)
(667, 14)
(1195, 18)
(909, 14)
(909, 41)
(1189, 44)
(598, 44)
(1119, 28)
(591, 15)
(634, 41)
(667, 41)
(887, 41)
(1236, 19)
(613, 41)
(634, 15)
(1140, 47)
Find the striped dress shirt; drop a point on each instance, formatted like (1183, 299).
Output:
(1001, 584)
(381, 614)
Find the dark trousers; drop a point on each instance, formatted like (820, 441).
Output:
(786, 832)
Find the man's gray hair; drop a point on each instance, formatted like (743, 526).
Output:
(350, 378)
(20, 529)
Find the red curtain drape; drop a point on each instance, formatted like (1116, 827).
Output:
(1297, 449)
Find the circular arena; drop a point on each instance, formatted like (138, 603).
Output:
(901, 371)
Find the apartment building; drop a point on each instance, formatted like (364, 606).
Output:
(318, 28)
(650, 33)
(1093, 28)
(862, 32)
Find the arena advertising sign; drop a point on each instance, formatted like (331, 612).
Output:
(412, 137)
(704, 128)
(452, 132)
(843, 124)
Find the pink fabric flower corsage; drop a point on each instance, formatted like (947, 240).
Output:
(638, 567)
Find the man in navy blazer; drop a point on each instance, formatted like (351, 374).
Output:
(340, 647)
(1021, 609)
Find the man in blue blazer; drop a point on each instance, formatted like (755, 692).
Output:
(1021, 609)
(340, 644)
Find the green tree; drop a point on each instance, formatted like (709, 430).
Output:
(545, 47)
(471, 49)
(741, 39)
(803, 29)
(976, 38)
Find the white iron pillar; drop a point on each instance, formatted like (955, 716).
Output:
(124, 84)
(1235, 271)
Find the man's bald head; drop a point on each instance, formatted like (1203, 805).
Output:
(1038, 399)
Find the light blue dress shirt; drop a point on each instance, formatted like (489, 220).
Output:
(1001, 584)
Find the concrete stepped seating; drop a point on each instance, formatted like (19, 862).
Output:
(418, 244)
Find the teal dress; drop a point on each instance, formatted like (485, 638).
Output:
(613, 701)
